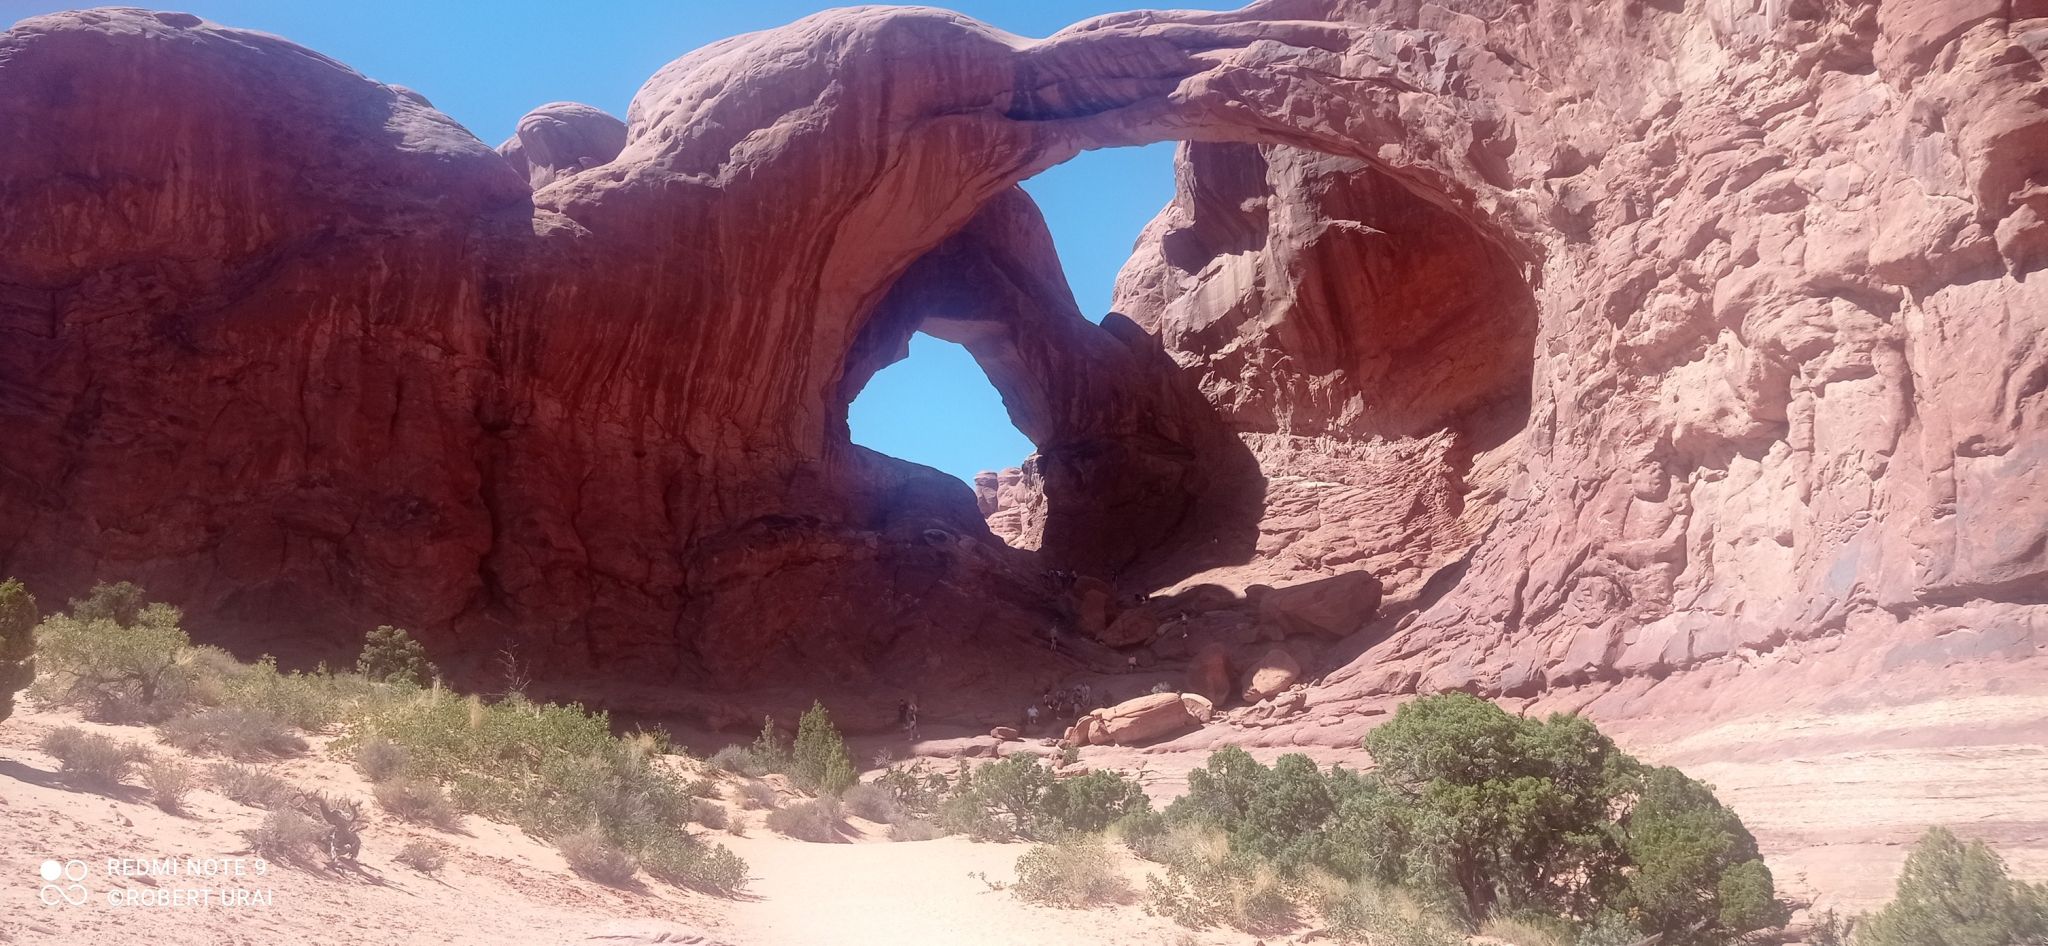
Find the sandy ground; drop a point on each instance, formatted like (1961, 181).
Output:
(499, 886)
(1834, 796)
(922, 892)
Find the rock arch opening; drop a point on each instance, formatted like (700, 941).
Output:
(936, 407)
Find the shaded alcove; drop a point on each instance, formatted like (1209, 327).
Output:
(1373, 329)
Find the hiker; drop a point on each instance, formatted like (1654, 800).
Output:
(902, 713)
(1052, 638)
(1081, 704)
(1031, 717)
(910, 720)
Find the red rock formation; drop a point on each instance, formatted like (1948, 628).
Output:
(1613, 342)
(292, 344)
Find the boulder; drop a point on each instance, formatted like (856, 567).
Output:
(1273, 672)
(1198, 706)
(1093, 602)
(1331, 607)
(1147, 718)
(1209, 673)
(1131, 627)
(1005, 733)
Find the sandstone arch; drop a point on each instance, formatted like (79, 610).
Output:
(605, 418)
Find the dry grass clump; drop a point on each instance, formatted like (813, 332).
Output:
(168, 781)
(381, 760)
(286, 836)
(418, 801)
(250, 785)
(422, 855)
(234, 731)
(758, 794)
(819, 819)
(1073, 873)
(591, 855)
(90, 759)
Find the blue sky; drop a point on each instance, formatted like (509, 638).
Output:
(487, 64)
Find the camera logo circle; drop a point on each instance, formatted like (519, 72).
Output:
(62, 883)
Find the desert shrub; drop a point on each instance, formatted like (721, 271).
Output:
(594, 856)
(1207, 884)
(1373, 916)
(286, 836)
(963, 814)
(1092, 802)
(119, 602)
(1252, 899)
(770, 752)
(818, 819)
(1000, 800)
(1140, 831)
(913, 829)
(390, 655)
(418, 801)
(250, 785)
(1953, 893)
(90, 759)
(135, 672)
(168, 781)
(873, 803)
(18, 620)
(710, 814)
(758, 794)
(1073, 873)
(310, 701)
(380, 760)
(818, 760)
(739, 760)
(1483, 815)
(422, 855)
(1828, 928)
(1530, 929)
(1695, 866)
(688, 862)
(551, 769)
(705, 788)
(914, 787)
(233, 731)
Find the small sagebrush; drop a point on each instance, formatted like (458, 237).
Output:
(237, 732)
(816, 820)
(704, 788)
(591, 855)
(418, 801)
(286, 836)
(250, 785)
(90, 759)
(759, 795)
(1074, 873)
(687, 862)
(423, 856)
(914, 829)
(168, 781)
(710, 814)
(873, 803)
(739, 760)
(381, 760)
